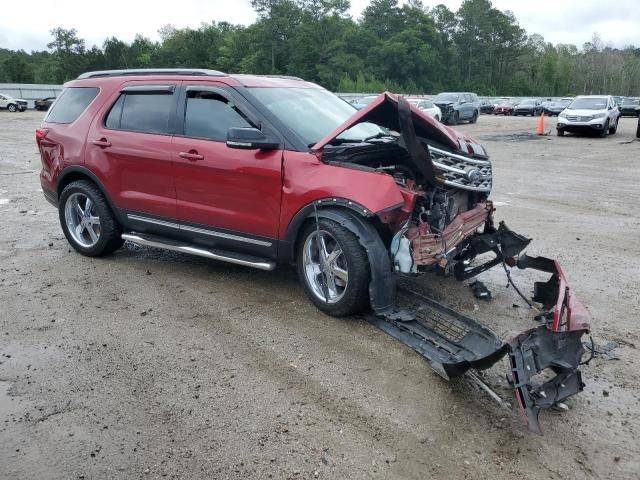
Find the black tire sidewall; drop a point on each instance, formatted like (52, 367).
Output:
(109, 230)
(12, 108)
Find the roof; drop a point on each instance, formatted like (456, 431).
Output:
(236, 79)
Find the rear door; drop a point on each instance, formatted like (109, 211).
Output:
(227, 198)
(129, 148)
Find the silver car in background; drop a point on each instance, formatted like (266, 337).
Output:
(590, 114)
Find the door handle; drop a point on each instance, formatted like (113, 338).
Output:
(191, 155)
(102, 143)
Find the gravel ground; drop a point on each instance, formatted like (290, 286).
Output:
(148, 364)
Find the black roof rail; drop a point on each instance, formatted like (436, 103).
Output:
(153, 71)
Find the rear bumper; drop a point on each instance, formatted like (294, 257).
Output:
(50, 196)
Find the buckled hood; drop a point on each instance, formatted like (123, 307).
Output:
(384, 111)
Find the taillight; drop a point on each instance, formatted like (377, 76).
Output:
(41, 133)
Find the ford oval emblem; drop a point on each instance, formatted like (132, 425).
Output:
(473, 175)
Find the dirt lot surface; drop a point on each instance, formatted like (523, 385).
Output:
(149, 364)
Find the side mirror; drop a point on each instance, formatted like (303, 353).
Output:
(249, 139)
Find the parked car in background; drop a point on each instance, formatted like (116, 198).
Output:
(630, 107)
(503, 108)
(426, 106)
(362, 102)
(458, 106)
(618, 99)
(44, 103)
(487, 106)
(554, 107)
(590, 113)
(7, 102)
(529, 106)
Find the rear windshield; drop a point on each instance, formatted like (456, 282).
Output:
(71, 103)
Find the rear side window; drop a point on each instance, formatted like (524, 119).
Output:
(71, 103)
(209, 115)
(141, 112)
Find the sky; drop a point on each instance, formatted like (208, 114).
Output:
(558, 21)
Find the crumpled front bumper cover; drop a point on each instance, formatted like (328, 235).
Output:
(545, 360)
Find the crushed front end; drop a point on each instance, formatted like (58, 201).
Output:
(446, 224)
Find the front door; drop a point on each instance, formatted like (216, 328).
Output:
(228, 198)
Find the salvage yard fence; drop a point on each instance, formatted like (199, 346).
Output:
(30, 91)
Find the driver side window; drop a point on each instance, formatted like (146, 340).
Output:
(209, 115)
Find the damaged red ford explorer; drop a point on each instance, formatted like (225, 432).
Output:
(261, 170)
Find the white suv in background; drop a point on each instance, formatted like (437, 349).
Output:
(426, 106)
(12, 104)
(590, 113)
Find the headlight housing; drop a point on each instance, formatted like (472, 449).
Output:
(600, 115)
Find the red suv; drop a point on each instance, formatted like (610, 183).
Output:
(260, 170)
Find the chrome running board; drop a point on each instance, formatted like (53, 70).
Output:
(224, 256)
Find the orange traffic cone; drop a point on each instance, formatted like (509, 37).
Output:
(540, 129)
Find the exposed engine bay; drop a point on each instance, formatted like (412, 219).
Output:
(446, 223)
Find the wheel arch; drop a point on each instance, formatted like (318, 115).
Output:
(72, 174)
(359, 221)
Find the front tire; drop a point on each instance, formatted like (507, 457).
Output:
(605, 130)
(614, 129)
(560, 132)
(87, 220)
(474, 119)
(333, 268)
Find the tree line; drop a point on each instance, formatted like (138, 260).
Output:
(401, 48)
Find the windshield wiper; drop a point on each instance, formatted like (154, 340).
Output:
(378, 135)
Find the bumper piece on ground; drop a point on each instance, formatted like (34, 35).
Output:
(545, 371)
(544, 360)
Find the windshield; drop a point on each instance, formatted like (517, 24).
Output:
(598, 103)
(527, 102)
(366, 100)
(313, 113)
(631, 101)
(446, 97)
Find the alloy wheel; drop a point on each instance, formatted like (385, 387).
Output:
(325, 266)
(82, 220)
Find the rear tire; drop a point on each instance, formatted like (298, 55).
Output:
(85, 210)
(338, 286)
(12, 108)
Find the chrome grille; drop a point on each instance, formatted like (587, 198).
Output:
(578, 118)
(462, 172)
